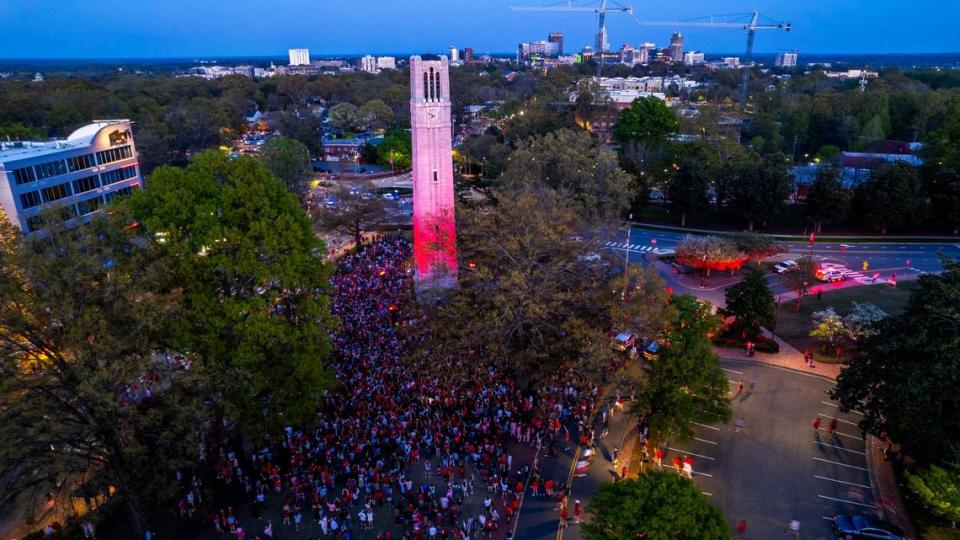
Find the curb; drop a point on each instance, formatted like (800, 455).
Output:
(891, 504)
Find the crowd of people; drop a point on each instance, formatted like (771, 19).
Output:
(398, 451)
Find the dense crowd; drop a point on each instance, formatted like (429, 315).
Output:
(397, 452)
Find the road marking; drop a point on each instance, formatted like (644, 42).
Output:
(704, 440)
(826, 518)
(835, 406)
(840, 464)
(690, 453)
(841, 481)
(706, 426)
(707, 494)
(703, 474)
(732, 371)
(848, 502)
(845, 435)
(837, 419)
(838, 448)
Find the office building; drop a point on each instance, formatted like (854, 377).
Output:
(693, 58)
(454, 54)
(468, 55)
(557, 37)
(676, 48)
(88, 169)
(299, 57)
(369, 64)
(386, 62)
(537, 49)
(787, 60)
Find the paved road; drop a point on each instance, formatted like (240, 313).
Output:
(775, 467)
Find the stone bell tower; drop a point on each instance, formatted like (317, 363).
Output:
(434, 225)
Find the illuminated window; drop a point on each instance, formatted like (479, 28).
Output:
(79, 163)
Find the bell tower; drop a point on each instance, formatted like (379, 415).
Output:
(434, 225)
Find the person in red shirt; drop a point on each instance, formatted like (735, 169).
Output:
(658, 456)
(677, 463)
(741, 528)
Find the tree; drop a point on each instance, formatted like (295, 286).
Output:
(375, 115)
(941, 168)
(243, 250)
(288, 160)
(658, 505)
(862, 320)
(647, 123)
(357, 209)
(85, 391)
(345, 118)
(828, 327)
(396, 149)
(891, 199)
(761, 188)
(903, 379)
(939, 489)
(751, 301)
(800, 278)
(709, 253)
(571, 163)
(686, 384)
(688, 183)
(827, 201)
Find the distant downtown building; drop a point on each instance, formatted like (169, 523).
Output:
(693, 58)
(787, 59)
(88, 169)
(557, 37)
(299, 57)
(373, 64)
(676, 48)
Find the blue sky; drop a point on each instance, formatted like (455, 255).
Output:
(204, 28)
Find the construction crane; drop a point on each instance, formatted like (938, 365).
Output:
(601, 12)
(751, 27)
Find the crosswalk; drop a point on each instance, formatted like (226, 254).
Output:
(854, 275)
(636, 247)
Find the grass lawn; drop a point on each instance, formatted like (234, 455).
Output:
(794, 326)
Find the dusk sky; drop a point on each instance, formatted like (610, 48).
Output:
(206, 28)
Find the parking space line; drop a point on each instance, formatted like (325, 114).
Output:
(826, 518)
(841, 481)
(834, 405)
(848, 502)
(733, 381)
(840, 464)
(733, 371)
(707, 494)
(689, 453)
(821, 443)
(706, 426)
(704, 440)
(837, 419)
(703, 474)
(845, 435)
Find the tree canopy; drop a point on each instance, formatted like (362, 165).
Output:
(751, 301)
(288, 160)
(658, 505)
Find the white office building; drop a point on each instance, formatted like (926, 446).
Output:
(81, 173)
(386, 62)
(299, 57)
(369, 64)
(787, 60)
(692, 58)
(454, 54)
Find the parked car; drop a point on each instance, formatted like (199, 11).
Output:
(865, 527)
(785, 266)
(623, 341)
(652, 350)
(830, 276)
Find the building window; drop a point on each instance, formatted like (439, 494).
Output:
(90, 205)
(436, 176)
(29, 199)
(79, 163)
(50, 169)
(426, 88)
(85, 184)
(113, 154)
(24, 175)
(55, 193)
(436, 81)
(118, 194)
(116, 175)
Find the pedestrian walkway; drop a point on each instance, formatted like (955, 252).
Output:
(788, 358)
(621, 246)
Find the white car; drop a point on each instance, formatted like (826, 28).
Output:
(785, 266)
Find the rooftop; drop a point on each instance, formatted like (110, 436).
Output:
(81, 138)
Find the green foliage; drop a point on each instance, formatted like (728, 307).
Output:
(375, 115)
(251, 269)
(647, 120)
(571, 163)
(658, 505)
(396, 149)
(705, 252)
(891, 199)
(288, 160)
(904, 378)
(686, 384)
(751, 301)
(82, 329)
(939, 488)
(346, 118)
(761, 188)
(862, 320)
(828, 327)
(694, 170)
(827, 201)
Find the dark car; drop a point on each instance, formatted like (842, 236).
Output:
(857, 527)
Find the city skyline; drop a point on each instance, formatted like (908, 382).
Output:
(153, 29)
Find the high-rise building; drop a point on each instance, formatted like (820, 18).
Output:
(787, 59)
(434, 225)
(676, 48)
(386, 62)
(602, 45)
(454, 54)
(539, 49)
(88, 169)
(557, 37)
(645, 51)
(468, 55)
(693, 58)
(368, 63)
(299, 57)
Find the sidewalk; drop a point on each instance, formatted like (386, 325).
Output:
(883, 479)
